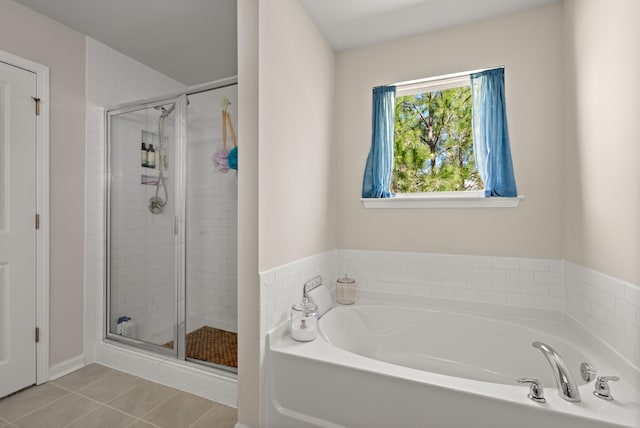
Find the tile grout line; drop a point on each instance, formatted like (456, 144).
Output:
(101, 404)
(39, 408)
(66, 388)
(68, 391)
(81, 416)
(136, 420)
(122, 411)
(99, 378)
(158, 405)
(216, 404)
(79, 394)
(107, 405)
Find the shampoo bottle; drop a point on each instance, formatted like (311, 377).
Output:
(143, 155)
(151, 157)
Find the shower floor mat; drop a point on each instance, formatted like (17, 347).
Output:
(212, 345)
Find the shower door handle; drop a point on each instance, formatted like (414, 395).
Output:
(175, 224)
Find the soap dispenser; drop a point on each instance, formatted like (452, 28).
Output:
(304, 321)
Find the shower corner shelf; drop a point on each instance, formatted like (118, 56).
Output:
(149, 179)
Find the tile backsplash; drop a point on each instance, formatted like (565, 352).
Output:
(282, 286)
(607, 307)
(533, 283)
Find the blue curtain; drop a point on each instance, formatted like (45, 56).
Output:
(490, 134)
(377, 172)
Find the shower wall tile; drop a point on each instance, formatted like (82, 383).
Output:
(113, 79)
(94, 230)
(212, 271)
(211, 223)
(142, 244)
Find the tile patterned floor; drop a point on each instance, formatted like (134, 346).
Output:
(97, 396)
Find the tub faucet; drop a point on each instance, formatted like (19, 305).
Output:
(567, 387)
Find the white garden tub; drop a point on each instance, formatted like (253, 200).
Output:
(386, 366)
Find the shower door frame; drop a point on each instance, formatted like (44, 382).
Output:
(109, 113)
(180, 153)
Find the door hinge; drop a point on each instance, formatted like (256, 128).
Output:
(37, 100)
(37, 221)
(37, 334)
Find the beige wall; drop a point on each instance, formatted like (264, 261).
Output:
(248, 280)
(602, 209)
(529, 45)
(297, 200)
(286, 198)
(30, 35)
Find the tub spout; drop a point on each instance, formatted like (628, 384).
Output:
(567, 387)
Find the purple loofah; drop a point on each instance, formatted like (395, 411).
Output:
(221, 160)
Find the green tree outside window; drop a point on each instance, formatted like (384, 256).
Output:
(433, 143)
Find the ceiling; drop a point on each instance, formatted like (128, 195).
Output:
(195, 41)
(192, 41)
(352, 23)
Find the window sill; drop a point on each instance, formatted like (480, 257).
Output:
(441, 200)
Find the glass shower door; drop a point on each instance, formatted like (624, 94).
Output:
(142, 247)
(211, 199)
(171, 273)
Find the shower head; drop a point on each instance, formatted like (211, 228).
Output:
(166, 111)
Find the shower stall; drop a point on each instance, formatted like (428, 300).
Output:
(171, 226)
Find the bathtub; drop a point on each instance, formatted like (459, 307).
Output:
(391, 366)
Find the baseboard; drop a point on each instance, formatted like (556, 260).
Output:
(239, 425)
(65, 367)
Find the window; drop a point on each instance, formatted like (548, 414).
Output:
(445, 137)
(433, 138)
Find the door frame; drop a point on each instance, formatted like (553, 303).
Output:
(42, 208)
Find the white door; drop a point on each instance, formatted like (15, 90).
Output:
(17, 229)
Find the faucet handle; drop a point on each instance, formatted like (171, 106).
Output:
(602, 387)
(587, 372)
(536, 392)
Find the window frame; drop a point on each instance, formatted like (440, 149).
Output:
(466, 199)
(455, 199)
(439, 84)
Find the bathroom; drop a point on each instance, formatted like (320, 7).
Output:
(305, 141)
